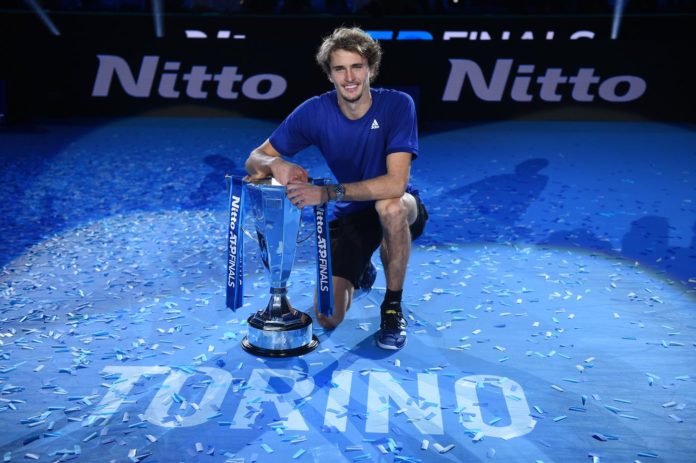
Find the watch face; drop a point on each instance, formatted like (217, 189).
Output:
(340, 192)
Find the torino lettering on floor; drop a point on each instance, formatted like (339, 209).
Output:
(424, 411)
(196, 78)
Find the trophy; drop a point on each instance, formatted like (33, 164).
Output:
(278, 330)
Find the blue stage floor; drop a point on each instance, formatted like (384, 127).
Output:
(552, 303)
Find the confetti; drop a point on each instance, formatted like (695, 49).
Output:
(441, 449)
(88, 290)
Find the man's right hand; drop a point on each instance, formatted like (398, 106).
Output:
(286, 172)
(265, 161)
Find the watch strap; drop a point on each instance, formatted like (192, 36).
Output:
(339, 191)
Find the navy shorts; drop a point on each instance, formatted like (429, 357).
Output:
(355, 237)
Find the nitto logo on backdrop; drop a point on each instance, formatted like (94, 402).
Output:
(553, 84)
(199, 82)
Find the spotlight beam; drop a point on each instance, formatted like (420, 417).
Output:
(43, 16)
(618, 12)
(157, 15)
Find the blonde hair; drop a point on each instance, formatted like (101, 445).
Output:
(350, 39)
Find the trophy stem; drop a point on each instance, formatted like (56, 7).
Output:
(279, 304)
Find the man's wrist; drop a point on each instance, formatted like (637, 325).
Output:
(327, 189)
(335, 192)
(339, 192)
(274, 162)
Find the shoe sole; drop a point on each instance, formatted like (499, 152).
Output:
(390, 347)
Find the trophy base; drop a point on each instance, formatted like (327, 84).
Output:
(288, 334)
(279, 353)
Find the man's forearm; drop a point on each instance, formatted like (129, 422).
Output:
(382, 187)
(390, 185)
(258, 164)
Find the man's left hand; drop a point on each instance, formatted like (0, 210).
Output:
(306, 194)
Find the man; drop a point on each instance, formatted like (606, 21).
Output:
(368, 138)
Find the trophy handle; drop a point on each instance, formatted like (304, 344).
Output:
(249, 235)
(303, 224)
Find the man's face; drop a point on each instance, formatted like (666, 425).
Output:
(350, 74)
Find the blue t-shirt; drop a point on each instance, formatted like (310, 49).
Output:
(354, 150)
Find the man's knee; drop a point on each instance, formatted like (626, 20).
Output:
(392, 212)
(329, 323)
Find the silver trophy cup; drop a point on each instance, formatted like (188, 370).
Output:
(279, 330)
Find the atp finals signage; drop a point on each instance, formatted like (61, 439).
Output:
(423, 407)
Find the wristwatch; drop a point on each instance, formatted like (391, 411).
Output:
(339, 191)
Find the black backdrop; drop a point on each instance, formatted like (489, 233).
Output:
(54, 76)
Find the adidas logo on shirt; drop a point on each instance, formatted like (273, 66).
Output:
(375, 125)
